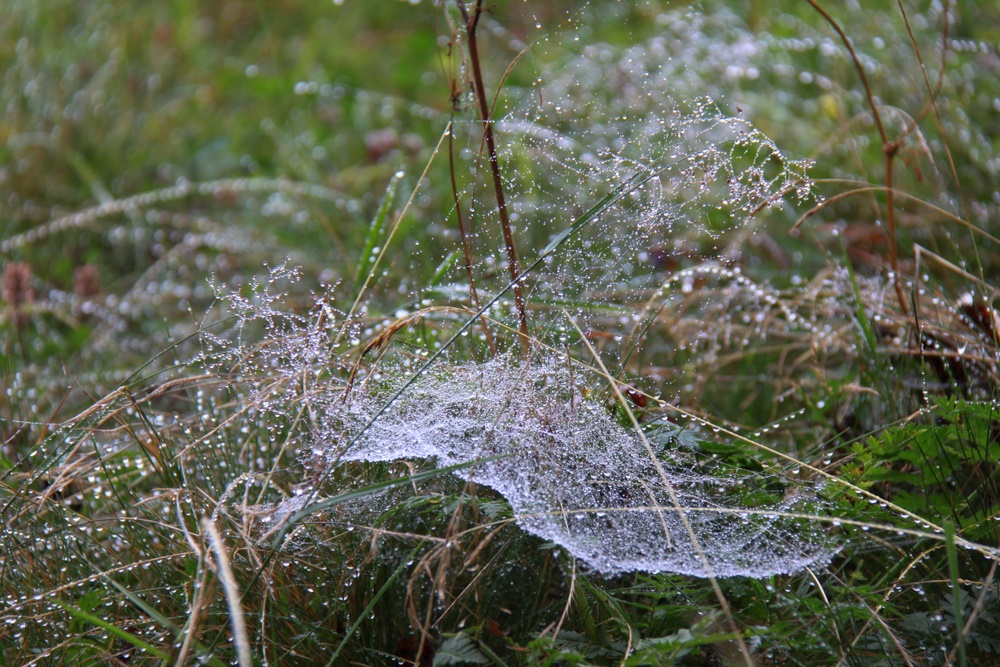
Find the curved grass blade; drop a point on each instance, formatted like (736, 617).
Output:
(376, 229)
(113, 629)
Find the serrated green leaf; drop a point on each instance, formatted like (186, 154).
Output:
(459, 650)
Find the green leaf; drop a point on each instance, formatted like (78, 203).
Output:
(113, 629)
(376, 229)
(459, 650)
(443, 268)
(91, 600)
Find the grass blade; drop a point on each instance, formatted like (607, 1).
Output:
(377, 229)
(113, 629)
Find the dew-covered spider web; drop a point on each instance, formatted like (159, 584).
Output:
(575, 477)
(690, 176)
(534, 434)
(685, 176)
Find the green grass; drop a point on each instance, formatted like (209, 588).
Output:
(179, 403)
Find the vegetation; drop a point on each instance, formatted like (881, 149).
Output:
(513, 333)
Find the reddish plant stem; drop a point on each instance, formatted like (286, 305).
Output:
(471, 22)
(889, 149)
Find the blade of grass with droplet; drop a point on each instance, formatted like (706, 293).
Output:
(370, 274)
(956, 591)
(859, 304)
(376, 229)
(165, 622)
(371, 605)
(113, 629)
(444, 267)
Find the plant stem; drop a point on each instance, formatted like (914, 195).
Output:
(471, 22)
(956, 590)
(889, 149)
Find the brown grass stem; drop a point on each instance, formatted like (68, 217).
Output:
(889, 148)
(471, 23)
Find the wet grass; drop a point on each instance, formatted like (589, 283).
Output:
(178, 407)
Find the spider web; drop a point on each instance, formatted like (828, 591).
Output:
(603, 120)
(576, 478)
(571, 474)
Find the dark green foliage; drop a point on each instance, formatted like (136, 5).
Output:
(942, 466)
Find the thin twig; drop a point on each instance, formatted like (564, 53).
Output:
(471, 23)
(889, 148)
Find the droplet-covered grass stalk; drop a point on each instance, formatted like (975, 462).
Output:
(471, 19)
